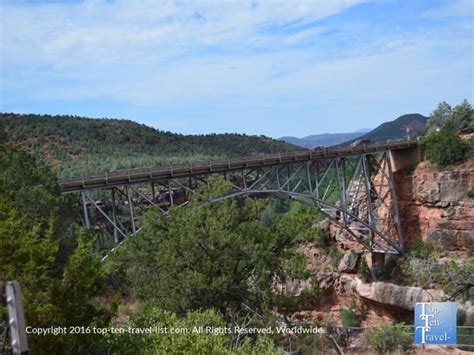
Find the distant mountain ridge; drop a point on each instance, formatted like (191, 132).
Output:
(412, 124)
(323, 140)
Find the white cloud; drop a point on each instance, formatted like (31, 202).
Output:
(456, 8)
(141, 31)
(262, 62)
(150, 51)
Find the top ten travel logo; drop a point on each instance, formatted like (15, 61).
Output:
(435, 323)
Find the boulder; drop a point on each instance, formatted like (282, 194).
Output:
(468, 308)
(327, 280)
(349, 261)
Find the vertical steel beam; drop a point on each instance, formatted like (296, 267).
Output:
(288, 176)
(316, 176)
(401, 242)
(277, 175)
(170, 192)
(368, 191)
(308, 176)
(84, 209)
(340, 182)
(130, 207)
(114, 215)
(244, 180)
(153, 191)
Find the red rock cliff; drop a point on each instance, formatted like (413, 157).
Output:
(434, 205)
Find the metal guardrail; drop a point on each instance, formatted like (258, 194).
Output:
(141, 175)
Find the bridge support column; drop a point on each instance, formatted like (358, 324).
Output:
(84, 209)
(366, 168)
(404, 158)
(130, 206)
(114, 216)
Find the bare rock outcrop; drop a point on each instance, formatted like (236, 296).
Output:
(388, 294)
(349, 262)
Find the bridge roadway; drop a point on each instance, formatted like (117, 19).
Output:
(143, 175)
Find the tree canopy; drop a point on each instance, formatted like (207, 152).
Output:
(219, 256)
(445, 117)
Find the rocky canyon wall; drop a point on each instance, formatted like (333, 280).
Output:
(435, 205)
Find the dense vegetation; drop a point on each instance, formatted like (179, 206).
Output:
(220, 256)
(213, 265)
(445, 148)
(442, 144)
(224, 258)
(77, 145)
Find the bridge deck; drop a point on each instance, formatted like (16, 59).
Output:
(142, 175)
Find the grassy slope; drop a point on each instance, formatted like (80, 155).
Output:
(77, 145)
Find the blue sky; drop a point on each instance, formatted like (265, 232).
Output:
(256, 67)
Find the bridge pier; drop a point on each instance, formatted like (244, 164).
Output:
(404, 158)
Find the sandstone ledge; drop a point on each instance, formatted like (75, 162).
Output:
(385, 293)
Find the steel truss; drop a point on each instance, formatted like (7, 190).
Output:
(357, 193)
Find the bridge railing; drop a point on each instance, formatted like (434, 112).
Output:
(209, 167)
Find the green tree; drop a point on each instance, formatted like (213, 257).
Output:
(463, 115)
(439, 116)
(60, 276)
(25, 255)
(448, 118)
(3, 133)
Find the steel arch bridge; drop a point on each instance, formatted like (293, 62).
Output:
(353, 186)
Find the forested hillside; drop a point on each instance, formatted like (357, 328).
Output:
(77, 145)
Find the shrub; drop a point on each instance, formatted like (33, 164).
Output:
(201, 332)
(388, 339)
(470, 194)
(335, 255)
(447, 275)
(307, 299)
(444, 148)
(420, 249)
(470, 144)
(364, 271)
(349, 318)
